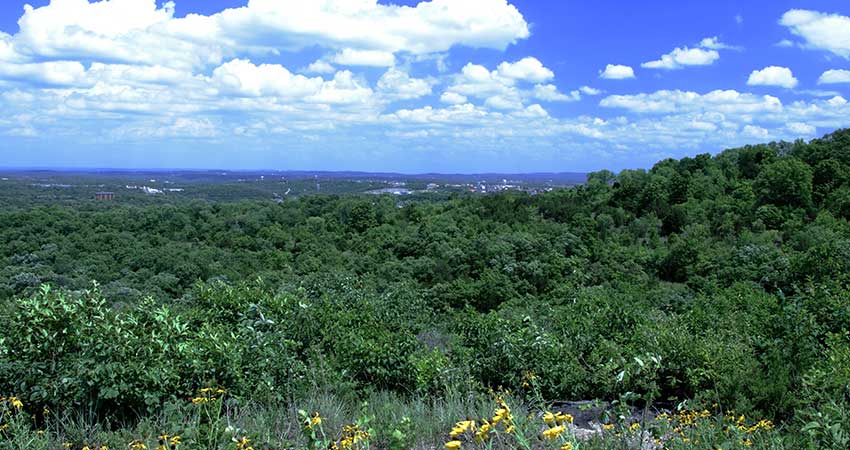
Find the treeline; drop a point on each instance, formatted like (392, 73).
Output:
(771, 214)
(718, 279)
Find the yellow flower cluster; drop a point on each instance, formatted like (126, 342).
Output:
(685, 421)
(312, 421)
(167, 442)
(557, 418)
(462, 427)
(503, 415)
(481, 432)
(207, 395)
(14, 402)
(8, 405)
(557, 423)
(688, 418)
(243, 444)
(554, 432)
(351, 436)
(528, 378)
(138, 445)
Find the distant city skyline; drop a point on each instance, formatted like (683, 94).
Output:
(443, 86)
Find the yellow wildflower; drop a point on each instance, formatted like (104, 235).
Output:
(554, 432)
(453, 445)
(462, 427)
(563, 418)
(243, 444)
(16, 402)
(315, 419)
(549, 417)
(567, 446)
(485, 427)
(608, 426)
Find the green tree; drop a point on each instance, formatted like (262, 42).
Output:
(786, 182)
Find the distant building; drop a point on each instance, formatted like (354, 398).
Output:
(104, 195)
(393, 191)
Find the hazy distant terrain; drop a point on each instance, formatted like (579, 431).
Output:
(18, 185)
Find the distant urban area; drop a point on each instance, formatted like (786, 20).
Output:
(278, 186)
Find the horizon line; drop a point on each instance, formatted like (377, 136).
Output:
(179, 169)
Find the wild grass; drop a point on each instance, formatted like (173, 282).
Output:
(383, 420)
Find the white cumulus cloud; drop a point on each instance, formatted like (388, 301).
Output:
(837, 101)
(396, 84)
(374, 58)
(728, 101)
(682, 57)
(507, 87)
(241, 77)
(550, 93)
(802, 129)
(714, 43)
(429, 27)
(587, 90)
(362, 32)
(835, 76)
(527, 69)
(320, 66)
(453, 98)
(756, 131)
(829, 32)
(617, 72)
(773, 76)
(343, 89)
(52, 73)
(704, 54)
(130, 31)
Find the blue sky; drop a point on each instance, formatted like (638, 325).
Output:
(443, 85)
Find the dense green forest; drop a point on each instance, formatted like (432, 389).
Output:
(719, 283)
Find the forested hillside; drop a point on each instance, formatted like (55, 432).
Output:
(719, 283)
